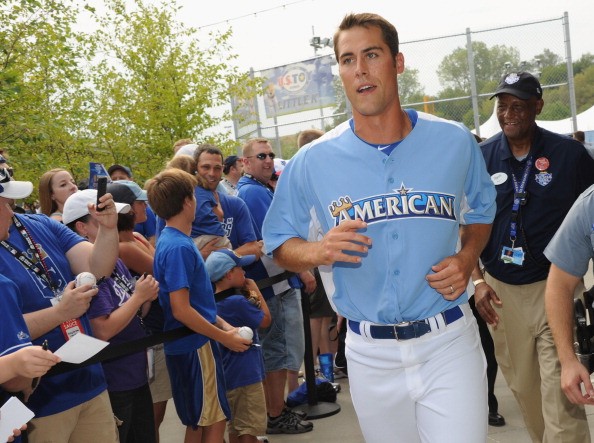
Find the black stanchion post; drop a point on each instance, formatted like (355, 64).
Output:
(313, 408)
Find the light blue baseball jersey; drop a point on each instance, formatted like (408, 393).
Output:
(411, 200)
(572, 246)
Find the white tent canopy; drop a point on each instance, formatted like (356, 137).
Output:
(585, 122)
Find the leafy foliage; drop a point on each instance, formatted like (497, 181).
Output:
(123, 93)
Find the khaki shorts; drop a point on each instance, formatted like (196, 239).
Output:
(248, 410)
(160, 384)
(202, 241)
(92, 421)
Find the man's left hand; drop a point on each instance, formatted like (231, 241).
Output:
(451, 276)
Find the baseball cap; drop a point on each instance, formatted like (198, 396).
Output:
(188, 149)
(126, 191)
(126, 170)
(520, 84)
(13, 189)
(219, 262)
(76, 207)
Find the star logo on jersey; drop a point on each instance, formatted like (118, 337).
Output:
(402, 203)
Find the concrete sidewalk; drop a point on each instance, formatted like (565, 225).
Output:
(344, 428)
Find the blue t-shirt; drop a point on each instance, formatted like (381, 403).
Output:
(127, 372)
(148, 228)
(205, 220)
(15, 334)
(258, 199)
(59, 392)
(237, 221)
(242, 368)
(562, 169)
(179, 265)
(412, 201)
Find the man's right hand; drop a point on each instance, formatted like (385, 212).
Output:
(147, 288)
(76, 301)
(483, 296)
(341, 238)
(573, 374)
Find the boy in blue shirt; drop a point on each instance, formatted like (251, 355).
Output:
(186, 296)
(244, 372)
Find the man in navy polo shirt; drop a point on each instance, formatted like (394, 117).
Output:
(538, 175)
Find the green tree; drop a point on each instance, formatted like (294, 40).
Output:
(410, 89)
(584, 89)
(158, 84)
(43, 97)
(489, 64)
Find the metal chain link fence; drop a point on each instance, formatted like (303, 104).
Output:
(452, 77)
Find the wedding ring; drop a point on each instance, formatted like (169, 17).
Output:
(452, 288)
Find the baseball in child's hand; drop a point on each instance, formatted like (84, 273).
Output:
(245, 332)
(85, 278)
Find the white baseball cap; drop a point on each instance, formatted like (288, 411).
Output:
(13, 189)
(188, 149)
(76, 207)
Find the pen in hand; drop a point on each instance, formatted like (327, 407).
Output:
(35, 381)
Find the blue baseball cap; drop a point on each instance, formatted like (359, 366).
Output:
(218, 263)
(126, 191)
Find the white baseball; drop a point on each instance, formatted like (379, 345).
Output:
(246, 332)
(85, 278)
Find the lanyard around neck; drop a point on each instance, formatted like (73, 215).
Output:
(42, 273)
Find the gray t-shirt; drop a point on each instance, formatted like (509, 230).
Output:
(572, 247)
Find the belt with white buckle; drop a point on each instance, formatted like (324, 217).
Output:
(409, 329)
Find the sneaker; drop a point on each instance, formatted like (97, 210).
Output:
(288, 423)
(339, 373)
(301, 415)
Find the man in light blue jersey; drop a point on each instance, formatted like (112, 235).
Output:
(382, 225)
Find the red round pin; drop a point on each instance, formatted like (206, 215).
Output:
(542, 164)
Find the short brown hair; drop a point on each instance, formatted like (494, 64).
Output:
(183, 162)
(580, 136)
(247, 148)
(368, 20)
(209, 149)
(168, 190)
(307, 136)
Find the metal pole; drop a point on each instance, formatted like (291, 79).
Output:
(570, 81)
(315, 48)
(472, 75)
(257, 108)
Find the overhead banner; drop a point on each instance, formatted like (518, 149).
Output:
(299, 87)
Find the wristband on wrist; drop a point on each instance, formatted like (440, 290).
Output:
(478, 282)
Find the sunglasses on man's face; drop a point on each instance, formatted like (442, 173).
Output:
(262, 156)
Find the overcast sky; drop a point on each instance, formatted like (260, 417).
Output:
(271, 34)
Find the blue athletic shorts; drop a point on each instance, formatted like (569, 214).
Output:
(198, 385)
